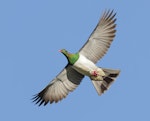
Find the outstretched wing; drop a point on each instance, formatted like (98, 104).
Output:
(66, 81)
(101, 38)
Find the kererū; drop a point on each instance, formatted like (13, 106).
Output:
(83, 63)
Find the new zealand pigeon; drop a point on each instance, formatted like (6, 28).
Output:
(83, 63)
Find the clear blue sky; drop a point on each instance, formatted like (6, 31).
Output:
(32, 32)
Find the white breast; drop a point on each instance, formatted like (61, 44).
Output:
(84, 65)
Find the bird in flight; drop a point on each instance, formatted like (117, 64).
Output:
(83, 63)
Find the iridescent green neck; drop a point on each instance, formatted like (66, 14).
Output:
(72, 58)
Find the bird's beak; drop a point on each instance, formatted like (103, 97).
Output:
(60, 50)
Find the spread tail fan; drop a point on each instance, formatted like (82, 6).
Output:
(103, 85)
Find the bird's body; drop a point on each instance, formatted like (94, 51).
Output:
(87, 67)
(83, 63)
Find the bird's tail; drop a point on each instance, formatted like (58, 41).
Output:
(107, 80)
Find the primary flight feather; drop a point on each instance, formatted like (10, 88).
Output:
(83, 63)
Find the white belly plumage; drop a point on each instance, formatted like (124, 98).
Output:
(84, 65)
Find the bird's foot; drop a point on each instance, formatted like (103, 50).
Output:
(94, 73)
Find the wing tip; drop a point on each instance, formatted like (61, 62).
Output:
(109, 14)
(37, 99)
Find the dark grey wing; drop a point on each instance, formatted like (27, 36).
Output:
(66, 81)
(101, 38)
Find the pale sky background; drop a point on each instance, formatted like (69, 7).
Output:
(32, 32)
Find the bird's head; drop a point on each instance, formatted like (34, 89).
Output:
(65, 52)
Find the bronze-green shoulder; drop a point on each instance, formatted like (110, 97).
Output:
(73, 58)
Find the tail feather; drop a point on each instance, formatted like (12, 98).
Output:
(103, 85)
